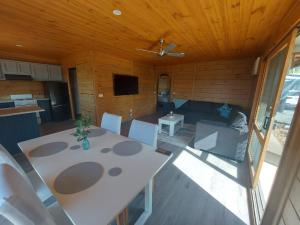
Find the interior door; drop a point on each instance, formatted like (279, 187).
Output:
(276, 66)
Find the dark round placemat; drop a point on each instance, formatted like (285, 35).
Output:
(48, 149)
(96, 132)
(75, 147)
(106, 150)
(127, 148)
(116, 171)
(78, 177)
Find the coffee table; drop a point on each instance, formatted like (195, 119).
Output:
(175, 122)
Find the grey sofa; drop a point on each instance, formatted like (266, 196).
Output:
(223, 136)
(225, 139)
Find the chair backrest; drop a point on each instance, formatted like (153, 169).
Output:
(6, 157)
(144, 132)
(18, 202)
(111, 122)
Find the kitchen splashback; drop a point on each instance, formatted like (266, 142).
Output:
(16, 87)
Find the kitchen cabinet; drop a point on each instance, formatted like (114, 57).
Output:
(18, 128)
(6, 105)
(55, 73)
(24, 68)
(16, 67)
(40, 71)
(2, 77)
(9, 66)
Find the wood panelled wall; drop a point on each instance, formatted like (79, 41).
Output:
(291, 212)
(83, 62)
(12, 87)
(226, 81)
(95, 76)
(130, 106)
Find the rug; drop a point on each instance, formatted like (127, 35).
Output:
(182, 138)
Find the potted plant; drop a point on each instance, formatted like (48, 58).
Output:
(82, 125)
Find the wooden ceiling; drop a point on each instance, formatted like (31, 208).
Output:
(203, 29)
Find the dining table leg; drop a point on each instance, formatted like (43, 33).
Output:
(122, 218)
(148, 204)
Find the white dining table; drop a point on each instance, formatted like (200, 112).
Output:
(93, 186)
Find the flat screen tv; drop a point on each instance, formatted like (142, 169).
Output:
(125, 85)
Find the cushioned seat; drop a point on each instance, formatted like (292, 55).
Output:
(220, 138)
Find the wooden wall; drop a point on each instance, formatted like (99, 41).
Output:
(10, 87)
(85, 79)
(228, 81)
(291, 212)
(95, 71)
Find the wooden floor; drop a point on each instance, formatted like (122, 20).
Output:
(193, 188)
(196, 188)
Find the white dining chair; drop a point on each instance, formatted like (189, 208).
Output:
(32, 177)
(144, 132)
(111, 122)
(19, 204)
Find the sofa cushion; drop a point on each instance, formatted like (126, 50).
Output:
(185, 106)
(221, 140)
(199, 106)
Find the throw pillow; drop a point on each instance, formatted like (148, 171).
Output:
(224, 111)
(240, 122)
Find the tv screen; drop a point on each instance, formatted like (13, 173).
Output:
(125, 85)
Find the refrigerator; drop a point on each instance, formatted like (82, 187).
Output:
(57, 92)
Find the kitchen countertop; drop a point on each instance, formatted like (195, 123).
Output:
(19, 110)
(9, 100)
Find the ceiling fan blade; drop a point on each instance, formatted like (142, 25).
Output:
(169, 48)
(176, 54)
(144, 50)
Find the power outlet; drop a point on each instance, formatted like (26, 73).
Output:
(131, 113)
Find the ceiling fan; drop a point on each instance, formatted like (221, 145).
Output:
(164, 51)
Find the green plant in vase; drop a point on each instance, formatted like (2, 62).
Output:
(82, 131)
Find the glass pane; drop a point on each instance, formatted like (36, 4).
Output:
(255, 149)
(269, 91)
(280, 129)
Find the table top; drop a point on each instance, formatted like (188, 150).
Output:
(19, 110)
(95, 185)
(174, 118)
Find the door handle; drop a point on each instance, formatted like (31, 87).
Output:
(266, 122)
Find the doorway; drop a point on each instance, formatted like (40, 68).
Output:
(164, 93)
(274, 114)
(74, 92)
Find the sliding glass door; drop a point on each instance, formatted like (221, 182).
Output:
(266, 133)
(263, 119)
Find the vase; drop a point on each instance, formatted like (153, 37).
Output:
(85, 144)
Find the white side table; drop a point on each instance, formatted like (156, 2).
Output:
(174, 122)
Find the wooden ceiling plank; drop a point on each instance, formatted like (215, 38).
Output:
(205, 30)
